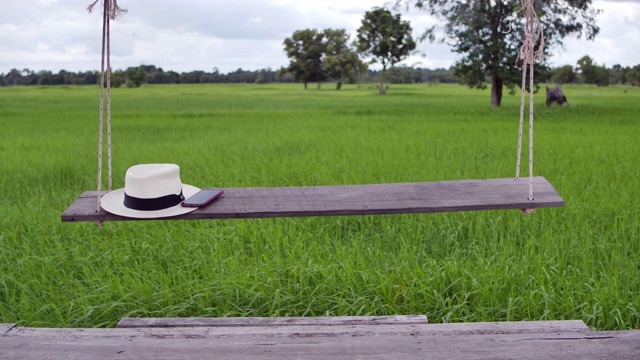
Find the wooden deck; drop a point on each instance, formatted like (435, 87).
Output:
(403, 337)
(402, 198)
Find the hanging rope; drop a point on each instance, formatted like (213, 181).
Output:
(110, 11)
(532, 35)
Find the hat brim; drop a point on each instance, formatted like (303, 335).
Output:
(113, 202)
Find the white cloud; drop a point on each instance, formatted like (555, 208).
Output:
(202, 34)
(617, 42)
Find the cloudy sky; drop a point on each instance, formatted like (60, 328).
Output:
(190, 35)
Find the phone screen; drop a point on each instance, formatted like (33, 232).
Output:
(202, 197)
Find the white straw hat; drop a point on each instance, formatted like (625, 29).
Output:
(150, 191)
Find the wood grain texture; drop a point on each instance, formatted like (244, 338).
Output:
(537, 340)
(401, 198)
(570, 328)
(270, 321)
(4, 328)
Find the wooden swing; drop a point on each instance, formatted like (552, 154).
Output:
(374, 199)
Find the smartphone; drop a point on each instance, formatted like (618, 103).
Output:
(202, 197)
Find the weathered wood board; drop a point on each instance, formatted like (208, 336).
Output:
(270, 321)
(4, 328)
(516, 340)
(400, 198)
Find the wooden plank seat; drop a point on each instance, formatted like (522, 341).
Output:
(327, 338)
(270, 321)
(399, 198)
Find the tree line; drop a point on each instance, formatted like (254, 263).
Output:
(586, 71)
(150, 74)
(136, 76)
(486, 34)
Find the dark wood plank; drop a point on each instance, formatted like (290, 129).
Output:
(573, 328)
(270, 321)
(403, 198)
(409, 341)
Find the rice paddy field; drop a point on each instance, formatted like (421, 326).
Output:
(581, 261)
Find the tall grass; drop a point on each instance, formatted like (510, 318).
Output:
(577, 262)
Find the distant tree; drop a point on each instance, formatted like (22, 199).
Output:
(403, 75)
(489, 34)
(591, 73)
(614, 74)
(341, 62)
(628, 75)
(63, 77)
(603, 76)
(633, 76)
(305, 49)
(29, 77)
(283, 75)
(91, 78)
(14, 77)
(385, 37)
(197, 76)
(135, 76)
(587, 69)
(564, 75)
(117, 78)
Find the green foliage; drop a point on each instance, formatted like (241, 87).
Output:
(305, 49)
(385, 37)
(577, 262)
(341, 63)
(117, 78)
(564, 75)
(590, 73)
(318, 56)
(631, 76)
(404, 74)
(490, 33)
(626, 75)
(46, 77)
(135, 77)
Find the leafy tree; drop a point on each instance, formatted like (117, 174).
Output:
(29, 77)
(633, 75)
(340, 61)
(489, 33)
(591, 73)
(305, 49)
(614, 73)
(628, 75)
(403, 75)
(117, 78)
(386, 37)
(587, 69)
(135, 76)
(564, 75)
(14, 77)
(603, 76)
(283, 75)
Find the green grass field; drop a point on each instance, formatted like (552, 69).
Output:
(577, 262)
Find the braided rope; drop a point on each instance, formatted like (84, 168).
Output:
(532, 36)
(105, 24)
(108, 36)
(111, 11)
